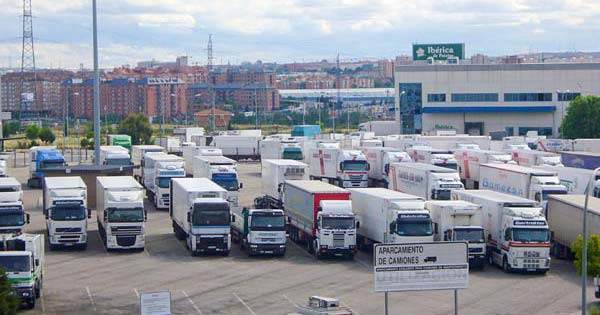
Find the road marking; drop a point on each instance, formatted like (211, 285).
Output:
(89, 293)
(136, 292)
(288, 299)
(244, 303)
(191, 302)
(364, 264)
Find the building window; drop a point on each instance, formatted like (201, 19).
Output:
(436, 98)
(474, 97)
(567, 97)
(527, 97)
(542, 131)
(411, 103)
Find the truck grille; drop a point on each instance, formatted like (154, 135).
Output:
(68, 238)
(476, 250)
(531, 254)
(68, 230)
(338, 240)
(355, 177)
(126, 230)
(126, 240)
(212, 241)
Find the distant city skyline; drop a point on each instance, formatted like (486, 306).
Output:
(292, 31)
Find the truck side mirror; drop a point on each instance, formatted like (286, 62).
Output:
(89, 213)
(279, 188)
(145, 215)
(189, 217)
(319, 209)
(368, 167)
(358, 224)
(241, 185)
(105, 216)
(37, 262)
(551, 235)
(27, 218)
(341, 164)
(435, 228)
(232, 218)
(392, 227)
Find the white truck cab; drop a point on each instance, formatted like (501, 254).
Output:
(166, 167)
(65, 208)
(336, 226)
(12, 214)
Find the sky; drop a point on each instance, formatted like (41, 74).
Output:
(292, 30)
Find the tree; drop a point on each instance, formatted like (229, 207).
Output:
(10, 128)
(582, 119)
(32, 132)
(47, 135)
(138, 127)
(593, 255)
(8, 303)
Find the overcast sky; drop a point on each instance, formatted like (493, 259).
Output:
(292, 30)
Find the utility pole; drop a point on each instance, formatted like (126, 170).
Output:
(96, 88)
(337, 86)
(28, 90)
(255, 109)
(209, 66)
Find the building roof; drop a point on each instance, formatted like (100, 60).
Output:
(497, 67)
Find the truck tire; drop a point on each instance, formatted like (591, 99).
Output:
(505, 266)
(490, 258)
(31, 303)
(309, 246)
(37, 290)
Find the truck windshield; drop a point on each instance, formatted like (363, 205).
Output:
(117, 161)
(12, 218)
(52, 164)
(530, 235)
(164, 182)
(355, 166)
(67, 213)
(15, 263)
(229, 184)
(267, 222)
(338, 223)
(414, 228)
(545, 193)
(125, 214)
(453, 166)
(292, 155)
(213, 214)
(469, 235)
(440, 194)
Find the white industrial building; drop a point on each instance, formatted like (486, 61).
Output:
(479, 99)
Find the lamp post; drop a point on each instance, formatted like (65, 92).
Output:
(173, 95)
(585, 241)
(398, 112)
(196, 96)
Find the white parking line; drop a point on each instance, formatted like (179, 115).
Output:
(89, 293)
(136, 293)
(244, 303)
(191, 302)
(364, 264)
(288, 299)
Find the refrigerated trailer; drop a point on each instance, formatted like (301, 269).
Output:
(190, 151)
(273, 175)
(344, 168)
(535, 158)
(575, 179)
(379, 159)
(433, 156)
(424, 180)
(138, 153)
(469, 162)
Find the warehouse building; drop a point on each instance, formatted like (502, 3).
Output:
(479, 99)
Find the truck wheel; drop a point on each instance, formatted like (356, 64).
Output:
(37, 290)
(491, 259)
(309, 246)
(505, 266)
(31, 303)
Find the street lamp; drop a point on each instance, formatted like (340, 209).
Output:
(585, 241)
(186, 109)
(398, 112)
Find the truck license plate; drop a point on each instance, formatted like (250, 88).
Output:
(531, 269)
(268, 252)
(471, 256)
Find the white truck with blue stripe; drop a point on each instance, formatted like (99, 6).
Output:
(201, 215)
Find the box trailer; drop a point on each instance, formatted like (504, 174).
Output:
(120, 140)
(586, 145)
(424, 180)
(379, 159)
(189, 152)
(273, 175)
(344, 168)
(321, 215)
(580, 159)
(576, 180)
(289, 149)
(171, 144)
(380, 127)
(238, 147)
(137, 157)
(469, 162)
(535, 158)
(186, 134)
(309, 131)
(157, 177)
(114, 155)
(433, 156)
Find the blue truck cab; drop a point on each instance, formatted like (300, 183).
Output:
(309, 131)
(44, 159)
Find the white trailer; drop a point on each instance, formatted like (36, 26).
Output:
(424, 180)
(535, 158)
(273, 175)
(190, 151)
(586, 145)
(469, 161)
(238, 147)
(201, 215)
(387, 216)
(22, 258)
(521, 181)
(171, 144)
(379, 159)
(344, 168)
(380, 127)
(137, 157)
(13, 217)
(120, 210)
(455, 141)
(222, 171)
(273, 148)
(457, 220)
(65, 208)
(575, 179)
(321, 215)
(516, 229)
(114, 155)
(186, 134)
(260, 231)
(429, 155)
(161, 168)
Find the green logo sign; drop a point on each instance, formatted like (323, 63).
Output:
(438, 51)
(443, 127)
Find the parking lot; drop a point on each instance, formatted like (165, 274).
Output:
(97, 282)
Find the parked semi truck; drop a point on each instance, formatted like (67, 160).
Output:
(470, 160)
(186, 134)
(521, 181)
(120, 210)
(429, 155)
(273, 175)
(388, 216)
(138, 153)
(517, 231)
(114, 155)
(379, 159)
(189, 152)
(260, 231)
(22, 258)
(222, 171)
(158, 180)
(459, 221)
(575, 179)
(380, 127)
(43, 159)
(320, 214)
(288, 149)
(587, 160)
(238, 146)
(13, 217)
(120, 140)
(65, 208)
(344, 168)
(535, 158)
(201, 215)
(424, 180)
(171, 144)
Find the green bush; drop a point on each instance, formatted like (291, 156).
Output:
(47, 135)
(8, 303)
(593, 255)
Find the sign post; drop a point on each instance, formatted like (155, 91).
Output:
(421, 266)
(155, 303)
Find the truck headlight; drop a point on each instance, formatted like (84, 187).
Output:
(25, 293)
(254, 246)
(323, 246)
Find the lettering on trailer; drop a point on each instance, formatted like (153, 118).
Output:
(421, 266)
(507, 189)
(529, 222)
(11, 209)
